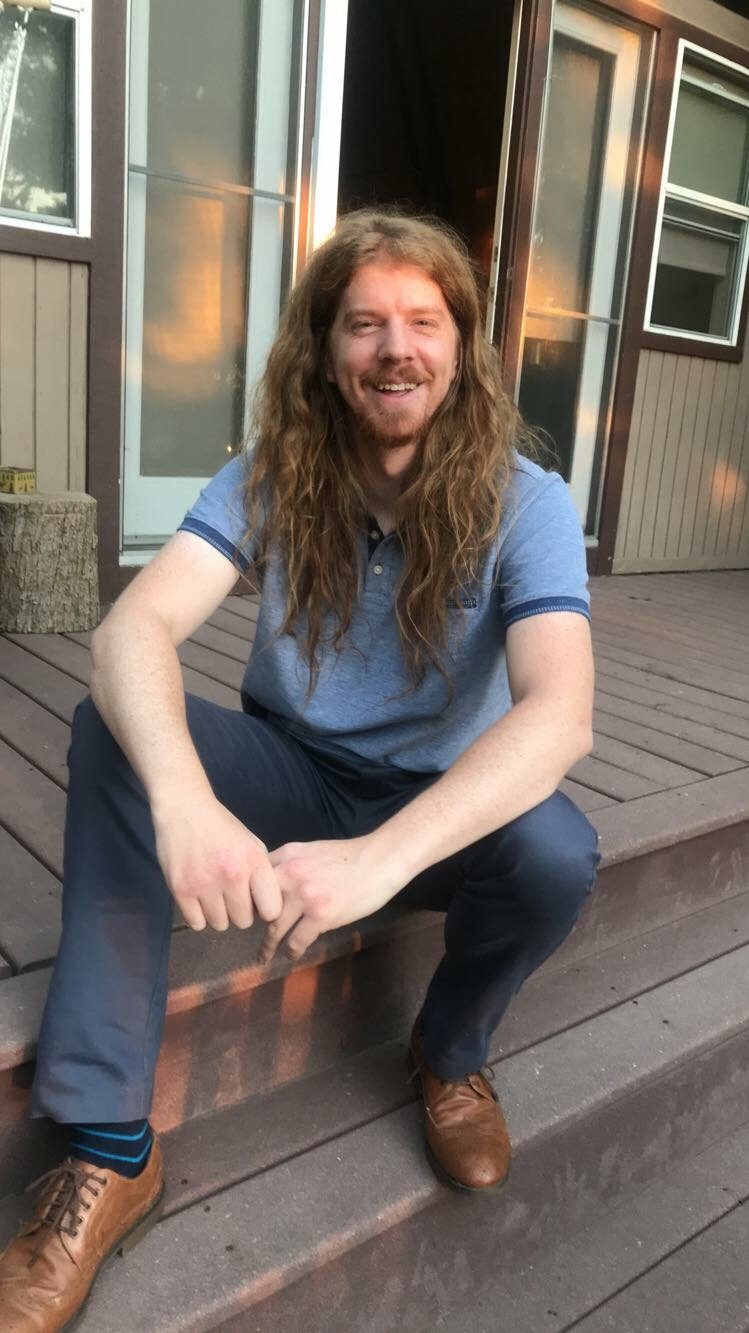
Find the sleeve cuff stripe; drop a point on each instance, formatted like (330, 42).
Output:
(542, 604)
(217, 539)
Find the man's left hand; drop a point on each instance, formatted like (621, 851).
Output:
(324, 885)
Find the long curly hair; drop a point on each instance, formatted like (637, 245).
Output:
(304, 492)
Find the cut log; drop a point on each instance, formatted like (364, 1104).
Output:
(49, 580)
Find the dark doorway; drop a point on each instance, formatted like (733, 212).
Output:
(423, 108)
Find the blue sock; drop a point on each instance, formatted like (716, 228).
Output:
(123, 1147)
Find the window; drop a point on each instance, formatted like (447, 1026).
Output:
(702, 245)
(45, 119)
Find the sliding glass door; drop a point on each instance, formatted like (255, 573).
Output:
(213, 113)
(585, 190)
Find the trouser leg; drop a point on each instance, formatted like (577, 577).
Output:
(105, 1009)
(511, 899)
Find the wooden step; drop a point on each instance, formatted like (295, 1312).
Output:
(359, 1223)
(352, 1083)
(670, 1258)
(235, 1030)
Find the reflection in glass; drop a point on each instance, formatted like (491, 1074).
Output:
(570, 181)
(554, 365)
(194, 319)
(710, 152)
(697, 272)
(201, 88)
(37, 114)
(552, 356)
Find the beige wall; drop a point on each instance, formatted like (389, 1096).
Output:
(685, 502)
(43, 369)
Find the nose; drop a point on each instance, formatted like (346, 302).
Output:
(395, 342)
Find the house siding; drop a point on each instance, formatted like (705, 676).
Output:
(43, 369)
(685, 501)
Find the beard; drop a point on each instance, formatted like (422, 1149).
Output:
(389, 430)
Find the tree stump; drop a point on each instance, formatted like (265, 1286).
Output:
(49, 579)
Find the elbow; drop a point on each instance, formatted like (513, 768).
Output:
(585, 742)
(98, 658)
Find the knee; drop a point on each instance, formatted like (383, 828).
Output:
(548, 859)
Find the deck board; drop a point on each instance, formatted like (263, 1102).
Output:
(707, 751)
(672, 717)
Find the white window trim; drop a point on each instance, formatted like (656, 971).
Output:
(80, 11)
(326, 147)
(723, 206)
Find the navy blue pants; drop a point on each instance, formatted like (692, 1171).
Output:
(509, 899)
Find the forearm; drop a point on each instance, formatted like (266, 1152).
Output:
(517, 763)
(136, 684)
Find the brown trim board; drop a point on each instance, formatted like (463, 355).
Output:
(514, 259)
(685, 346)
(105, 319)
(637, 287)
(44, 244)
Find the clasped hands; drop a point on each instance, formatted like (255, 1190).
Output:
(219, 874)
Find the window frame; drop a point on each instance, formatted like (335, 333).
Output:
(80, 12)
(684, 340)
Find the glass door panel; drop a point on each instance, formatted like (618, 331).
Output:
(212, 149)
(581, 232)
(194, 315)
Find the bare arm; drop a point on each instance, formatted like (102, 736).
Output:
(514, 765)
(136, 681)
(520, 760)
(214, 866)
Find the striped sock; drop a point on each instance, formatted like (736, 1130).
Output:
(123, 1147)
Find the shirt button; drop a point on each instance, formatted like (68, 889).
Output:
(377, 569)
(374, 534)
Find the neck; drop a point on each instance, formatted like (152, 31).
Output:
(383, 469)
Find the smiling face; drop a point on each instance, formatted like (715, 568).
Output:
(393, 351)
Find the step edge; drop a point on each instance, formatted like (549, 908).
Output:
(417, 1188)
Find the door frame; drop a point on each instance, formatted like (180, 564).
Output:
(514, 258)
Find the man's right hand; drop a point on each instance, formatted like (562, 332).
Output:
(217, 871)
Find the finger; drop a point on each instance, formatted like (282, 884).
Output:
(192, 912)
(214, 911)
(301, 938)
(276, 931)
(266, 892)
(238, 901)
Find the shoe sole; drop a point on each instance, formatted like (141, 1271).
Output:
(442, 1175)
(123, 1245)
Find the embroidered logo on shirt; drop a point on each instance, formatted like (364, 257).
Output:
(469, 602)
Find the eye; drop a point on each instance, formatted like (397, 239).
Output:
(427, 323)
(361, 325)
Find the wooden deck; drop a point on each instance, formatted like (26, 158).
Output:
(671, 728)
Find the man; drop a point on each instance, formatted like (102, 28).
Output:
(420, 682)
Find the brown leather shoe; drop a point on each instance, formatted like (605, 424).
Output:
(83, 1217)
(466, 1136)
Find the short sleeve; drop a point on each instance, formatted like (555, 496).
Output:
(218, 515)
(542, 557)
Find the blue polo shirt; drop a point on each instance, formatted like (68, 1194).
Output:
(364, 700)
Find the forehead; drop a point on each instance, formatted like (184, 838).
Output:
(385, 285)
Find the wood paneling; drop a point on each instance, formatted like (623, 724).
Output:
(686, 484)
(43, 369)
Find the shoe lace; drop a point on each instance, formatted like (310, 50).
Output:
(63, 1209)
(486, 1071)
